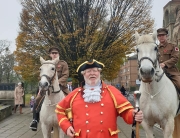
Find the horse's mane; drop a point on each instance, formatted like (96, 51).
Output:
(145, 39)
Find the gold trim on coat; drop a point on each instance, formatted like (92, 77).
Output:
(77, 133)
(62, 113)
(114, 132)
(62, 120)
(59, 107)
(112, 96)
(125, 108)
(126, 103)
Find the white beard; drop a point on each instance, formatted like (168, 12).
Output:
(92, 94)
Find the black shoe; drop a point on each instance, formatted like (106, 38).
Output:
(33, 125)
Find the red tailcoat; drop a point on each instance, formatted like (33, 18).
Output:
(95, 120)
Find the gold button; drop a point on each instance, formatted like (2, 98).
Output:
(87, 131)
(87, 114)
(87, 122)
(86, 105)
(101, 122)
(101, 113)
(102, 104)
(101, 130)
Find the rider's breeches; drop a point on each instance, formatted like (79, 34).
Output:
(176, 81)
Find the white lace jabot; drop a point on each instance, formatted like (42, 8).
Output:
(92, 93)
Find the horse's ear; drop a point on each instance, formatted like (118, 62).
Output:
(136, 36)
(154, 35)
(42, 60)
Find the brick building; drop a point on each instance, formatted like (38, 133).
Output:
(128, 74)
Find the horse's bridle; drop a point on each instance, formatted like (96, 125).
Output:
(153, 62)
(50, 80)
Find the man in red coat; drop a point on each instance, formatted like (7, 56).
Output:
(92, 110)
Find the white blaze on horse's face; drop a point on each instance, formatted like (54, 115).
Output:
(147, 55)
(47, 72)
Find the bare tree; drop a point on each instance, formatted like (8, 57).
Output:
(7, 73)
(4, 45)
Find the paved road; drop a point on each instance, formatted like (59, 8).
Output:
(17, 126)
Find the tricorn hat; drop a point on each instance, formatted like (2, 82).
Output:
(89, 64)
(53, 48)
(162, 31)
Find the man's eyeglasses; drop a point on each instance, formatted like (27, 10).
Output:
(159, 35)
(54, 53)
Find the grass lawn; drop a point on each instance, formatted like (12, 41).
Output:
(27, 99)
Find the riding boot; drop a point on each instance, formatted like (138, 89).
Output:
(20, 110)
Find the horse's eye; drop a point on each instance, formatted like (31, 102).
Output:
(39, 69)
(52, 69)
(156, 48)
(137, 50)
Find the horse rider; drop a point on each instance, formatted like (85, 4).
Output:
(63, 73)
(92, 109)
(169, 56)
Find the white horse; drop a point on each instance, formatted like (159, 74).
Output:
(159, 100)
(49, 84)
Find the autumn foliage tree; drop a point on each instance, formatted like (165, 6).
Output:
(82, 30)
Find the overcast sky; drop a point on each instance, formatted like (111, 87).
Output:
(10, 17)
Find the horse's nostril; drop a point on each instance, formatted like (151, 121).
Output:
(42, 85)
(152, 71)
(141, 71)
(147, 71)
(46, 84)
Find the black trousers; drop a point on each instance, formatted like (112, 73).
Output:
(37, 107)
